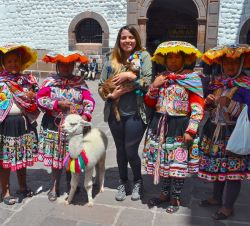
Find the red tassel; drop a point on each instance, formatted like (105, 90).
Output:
(85, 159)
(68, 168)
(77, 167)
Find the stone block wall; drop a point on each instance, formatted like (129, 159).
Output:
(44, 24)
(233, 15)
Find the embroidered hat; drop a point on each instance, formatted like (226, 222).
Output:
(234, 51)
(65, 57)
(28, 55)
(191, 52)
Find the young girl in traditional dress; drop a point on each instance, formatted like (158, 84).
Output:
(228, 92)
(171, 146)
(18, 112)
(59, 95)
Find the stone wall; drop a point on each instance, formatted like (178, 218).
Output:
(44, 24)
(233, 15)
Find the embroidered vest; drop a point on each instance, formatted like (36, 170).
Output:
(173, 100)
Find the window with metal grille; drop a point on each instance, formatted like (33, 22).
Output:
(248, 37)
(89, 31)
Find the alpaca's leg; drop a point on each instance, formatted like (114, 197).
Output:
(88, 186)
(101, 170)
(73, 186)
(96, 175)
(116, 109)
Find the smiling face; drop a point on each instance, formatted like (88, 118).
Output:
(65, 69)
(12, 63)
(174, 61)
(127, 41)
(230, 66)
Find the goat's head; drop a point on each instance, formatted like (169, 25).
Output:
(74, 124)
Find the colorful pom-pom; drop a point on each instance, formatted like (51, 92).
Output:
(76, 165)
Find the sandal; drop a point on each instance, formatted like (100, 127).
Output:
(52, 196)
(172, 209)
(155, 201)
(207, 203)
(57, 192)
(9, 200)
(27, 193)
(221, 216)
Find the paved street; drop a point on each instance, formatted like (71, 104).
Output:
(38, 211)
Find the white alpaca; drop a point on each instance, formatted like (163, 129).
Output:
(94, 143)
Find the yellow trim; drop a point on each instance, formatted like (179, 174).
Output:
(215, 55)
(191, 53)
(29, 57)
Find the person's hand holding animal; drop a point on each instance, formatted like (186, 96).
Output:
(122, 77)
(119, 91)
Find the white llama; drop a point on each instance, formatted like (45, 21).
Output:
(93, 146)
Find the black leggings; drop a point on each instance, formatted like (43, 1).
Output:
(177, 185)
(229, 189)
(127, 135)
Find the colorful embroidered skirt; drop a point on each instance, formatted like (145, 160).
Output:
(51, 150)
(175, 158)
(18, 143)
(216, 163)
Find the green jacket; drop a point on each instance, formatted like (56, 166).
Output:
(142, 83)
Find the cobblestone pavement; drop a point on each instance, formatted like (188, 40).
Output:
(106, 211)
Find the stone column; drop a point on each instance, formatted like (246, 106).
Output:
(201, 34)
(132, 12)
(72, 40)
(212, 23)
(142, 23)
